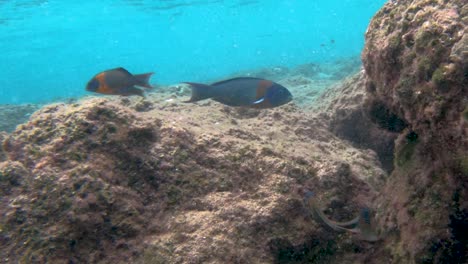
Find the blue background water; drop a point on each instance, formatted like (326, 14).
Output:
(50, 49)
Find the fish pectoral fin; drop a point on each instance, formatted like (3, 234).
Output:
(259, 101)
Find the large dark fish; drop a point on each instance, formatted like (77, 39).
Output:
(119, 82)
(242, 91)
(360, 225)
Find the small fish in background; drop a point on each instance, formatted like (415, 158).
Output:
(242, 91)
(360, 225)
(332, 41)
(119, 81)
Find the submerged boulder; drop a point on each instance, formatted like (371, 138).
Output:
(415, 58)
(107, 180)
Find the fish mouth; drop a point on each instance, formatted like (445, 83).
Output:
(92, 85)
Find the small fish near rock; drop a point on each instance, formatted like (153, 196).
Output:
(243, 91)
(119, 81)
(361, 225)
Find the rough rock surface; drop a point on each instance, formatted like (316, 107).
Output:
(159, 181)
(416, 61)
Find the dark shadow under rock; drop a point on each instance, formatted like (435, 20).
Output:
(349, 119)
(315, 250)
(358, 129)
(384, 117)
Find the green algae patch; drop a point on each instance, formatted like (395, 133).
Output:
(425, 68)
(465, 114)
(404, 156)
(438, 77)
(463, 164)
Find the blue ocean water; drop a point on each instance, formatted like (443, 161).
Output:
(50, 49)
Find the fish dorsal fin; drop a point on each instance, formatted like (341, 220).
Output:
(122, 70)
(236, 79)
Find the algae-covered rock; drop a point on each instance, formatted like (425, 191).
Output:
(416, 63)
(103, 181)
(415, 60)
(12, 175)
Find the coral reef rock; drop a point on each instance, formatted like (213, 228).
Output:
(158, 181)
(415, 58)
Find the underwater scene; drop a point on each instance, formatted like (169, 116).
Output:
(234, 131)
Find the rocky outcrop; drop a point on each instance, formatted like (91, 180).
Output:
(415, 58)
(159, 181)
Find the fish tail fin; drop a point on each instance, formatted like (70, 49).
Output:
(200, 91)
(143, 79)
